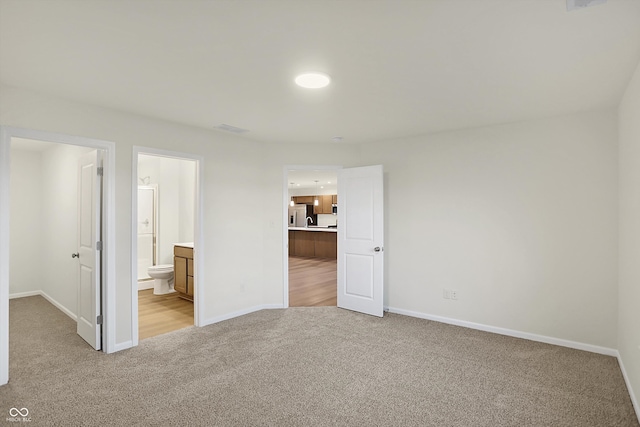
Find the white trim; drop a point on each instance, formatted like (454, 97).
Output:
(634, 401)
(5, 161)
(239, 313)
(109, 235)
(285, 223)
(146, 284)
(508, 332)
(25, 294)
(198, 237)
(123, 345)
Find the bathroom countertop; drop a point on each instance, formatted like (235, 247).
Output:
(184, 245)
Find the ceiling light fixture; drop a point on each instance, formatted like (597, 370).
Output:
(291, 203)
(313, 80)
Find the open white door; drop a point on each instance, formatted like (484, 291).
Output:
(361, 239)
(89, 248)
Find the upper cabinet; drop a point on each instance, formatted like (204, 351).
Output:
(303, 200)
(324, 205)
(324, 202)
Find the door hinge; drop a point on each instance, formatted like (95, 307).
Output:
(99, 320)
(99, 246)
(100, 171)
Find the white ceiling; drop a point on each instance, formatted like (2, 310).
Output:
(303, 182)
(399, 67)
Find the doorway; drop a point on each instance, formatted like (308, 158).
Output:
(165, 235)
(43, 231)
(311, 220)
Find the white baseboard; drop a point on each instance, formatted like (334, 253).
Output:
(239, 313)
(634, 401)
(509, 332)
(43, 294)
(60, 307)
(24, 294)
(122, 346)
(146, 284)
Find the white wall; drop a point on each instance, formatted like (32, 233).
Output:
(44, 223)
(236, 173)
(520, 219)
(186, 201)
(25, 222)
(629, 279)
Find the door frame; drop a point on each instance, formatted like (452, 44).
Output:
(285, 223)
(198, 233)
(108, 232)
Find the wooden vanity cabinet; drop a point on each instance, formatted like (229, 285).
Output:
(183, 271)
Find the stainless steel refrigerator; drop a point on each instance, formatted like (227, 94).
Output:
(298, 215)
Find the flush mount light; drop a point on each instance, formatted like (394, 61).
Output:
(313, 80)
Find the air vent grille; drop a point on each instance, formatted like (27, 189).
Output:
(232, 129)
(579, 4)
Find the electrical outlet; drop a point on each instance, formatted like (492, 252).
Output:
(446, 294)
(453, 294)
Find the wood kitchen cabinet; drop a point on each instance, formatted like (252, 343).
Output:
(303, 200)
(324, 205)
(183, 271)
(313, 244)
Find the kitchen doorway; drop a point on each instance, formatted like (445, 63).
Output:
(311, 241)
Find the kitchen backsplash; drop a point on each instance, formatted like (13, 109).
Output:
(327, 219)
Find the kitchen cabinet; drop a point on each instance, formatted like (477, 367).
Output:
(183, 282)
(324, 205)
(303, 200)
(334, 199)
(313, 244)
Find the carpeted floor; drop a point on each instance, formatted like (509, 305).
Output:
(306, 367)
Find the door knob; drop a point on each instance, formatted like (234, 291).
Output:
(76, 255)
(377, 249)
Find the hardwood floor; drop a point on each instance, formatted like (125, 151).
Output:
(159, 314)
(312, 282)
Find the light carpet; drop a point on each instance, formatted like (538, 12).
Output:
(306, 367)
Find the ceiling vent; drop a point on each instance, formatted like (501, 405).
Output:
(579, 4)
(229, 128)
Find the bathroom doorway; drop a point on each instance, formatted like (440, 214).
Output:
(311, 225)
(166, 230)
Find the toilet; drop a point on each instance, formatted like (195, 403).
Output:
(163, 278)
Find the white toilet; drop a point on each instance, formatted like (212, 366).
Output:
(163, 278)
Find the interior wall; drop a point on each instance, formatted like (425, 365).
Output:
(186, 201)
(25, 222)
(629, 280)
(520, 220)
(242, 201)
(59, 218)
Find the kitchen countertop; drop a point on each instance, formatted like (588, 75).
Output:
(325, 229)
(184, 245)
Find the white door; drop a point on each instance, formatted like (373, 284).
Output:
(361, 239)
(88, 255)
